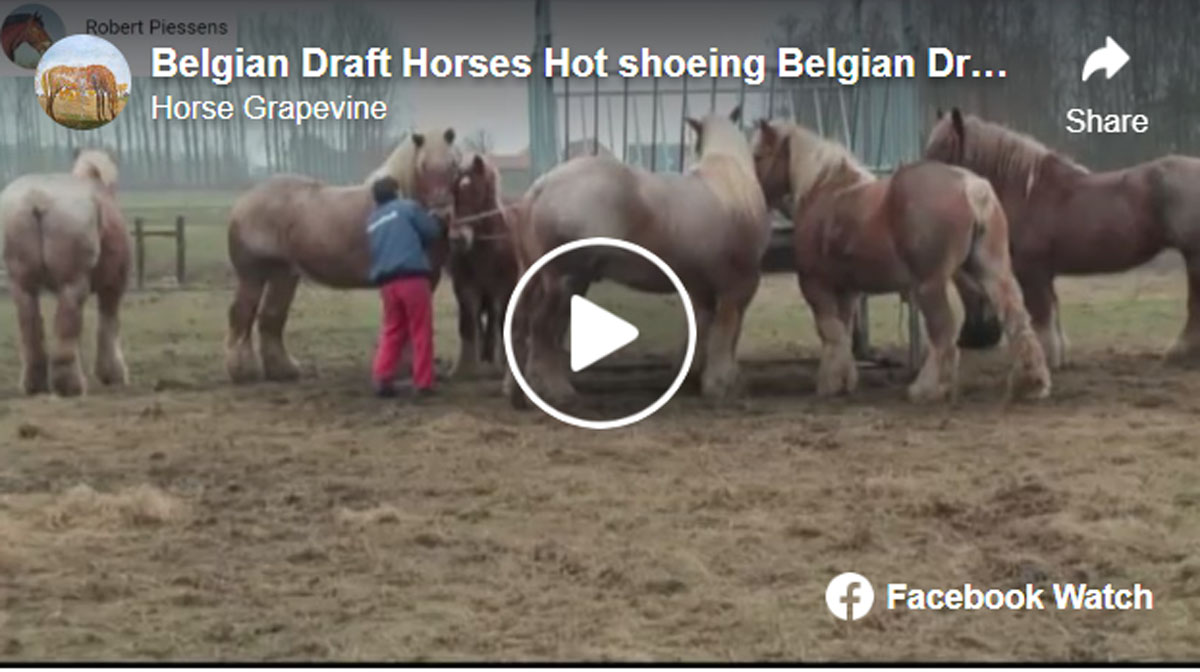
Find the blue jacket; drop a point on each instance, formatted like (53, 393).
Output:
(399, 233)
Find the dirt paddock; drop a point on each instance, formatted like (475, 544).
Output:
(183, 518)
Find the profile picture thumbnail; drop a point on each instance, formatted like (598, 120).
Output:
(83, 82)
(29, 31)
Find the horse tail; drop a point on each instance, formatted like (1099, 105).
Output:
(39, 203)
(989, 263)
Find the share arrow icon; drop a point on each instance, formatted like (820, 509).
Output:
(1110, 58)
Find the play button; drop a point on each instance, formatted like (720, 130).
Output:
(630, 350)
(596, 333)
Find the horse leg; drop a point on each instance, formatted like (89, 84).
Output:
(110, 361)
(1029, 376)
(548, 363)
(468, 300)
(33, 341)
(1060, 334)
(981, 328)
(66, 373)
(704, 316)
(278, 365)
(241, 362)
(1038, 292)
(520, 350)
(938, 377)
(837, 373)
(495, 337)
(1187, 346)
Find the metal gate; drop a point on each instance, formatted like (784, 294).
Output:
(642, 122)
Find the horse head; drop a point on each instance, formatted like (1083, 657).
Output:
(772, 162)
(476, 198)
(436, 165)
(947, 140)
(36, 34)
(716, 133)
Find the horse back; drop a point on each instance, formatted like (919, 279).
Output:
(51, 229)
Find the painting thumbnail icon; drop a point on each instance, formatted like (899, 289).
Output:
(83, 82)
(28, 32)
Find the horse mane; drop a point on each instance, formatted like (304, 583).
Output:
(1006, 157)
(401, 164)
(815, 160)
(727, 167)
(97, 166)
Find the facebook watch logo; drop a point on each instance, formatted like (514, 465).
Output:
(850, 596)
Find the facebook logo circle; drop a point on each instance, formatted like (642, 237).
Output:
(850, 596)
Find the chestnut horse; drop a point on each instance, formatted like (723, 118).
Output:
(65, 234)
(911, 232)
(1067, 220)
(97, 79)
(290, 226)
(709, 224)
(24, 39)
(482, 265)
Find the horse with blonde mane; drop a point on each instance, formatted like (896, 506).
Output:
(709, 224)
(64, 233)
(482, 265)
(290, 226)
(1067, 220)
(912, 232)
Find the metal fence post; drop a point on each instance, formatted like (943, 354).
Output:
(180, 251)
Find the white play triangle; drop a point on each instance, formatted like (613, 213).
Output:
(596, 333)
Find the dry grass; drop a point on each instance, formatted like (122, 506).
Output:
(142, 505)
(312, 521)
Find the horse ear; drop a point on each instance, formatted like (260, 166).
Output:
(736, 115)
(767, 131)
(449, 136)
(956, 118)
(418, 140)
(696, 125)
(477, 166)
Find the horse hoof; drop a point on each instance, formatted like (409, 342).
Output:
(281, 372)
(114, 375)
(34, 382)
(927, 395)
(1182, 355)
(68, 383)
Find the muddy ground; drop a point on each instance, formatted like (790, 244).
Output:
(183, 518)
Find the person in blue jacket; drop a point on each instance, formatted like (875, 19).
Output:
(400, 232)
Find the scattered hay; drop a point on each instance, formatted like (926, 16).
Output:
(139, 506)
(12, 559)
(28, 431)
(379, 515)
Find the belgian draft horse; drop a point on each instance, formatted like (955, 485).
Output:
(65, 234)
(290, 226)
(1067, 220)
(912, 232)
(482, 265)
(709, 224)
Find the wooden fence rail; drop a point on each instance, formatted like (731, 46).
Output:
(177, 233)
